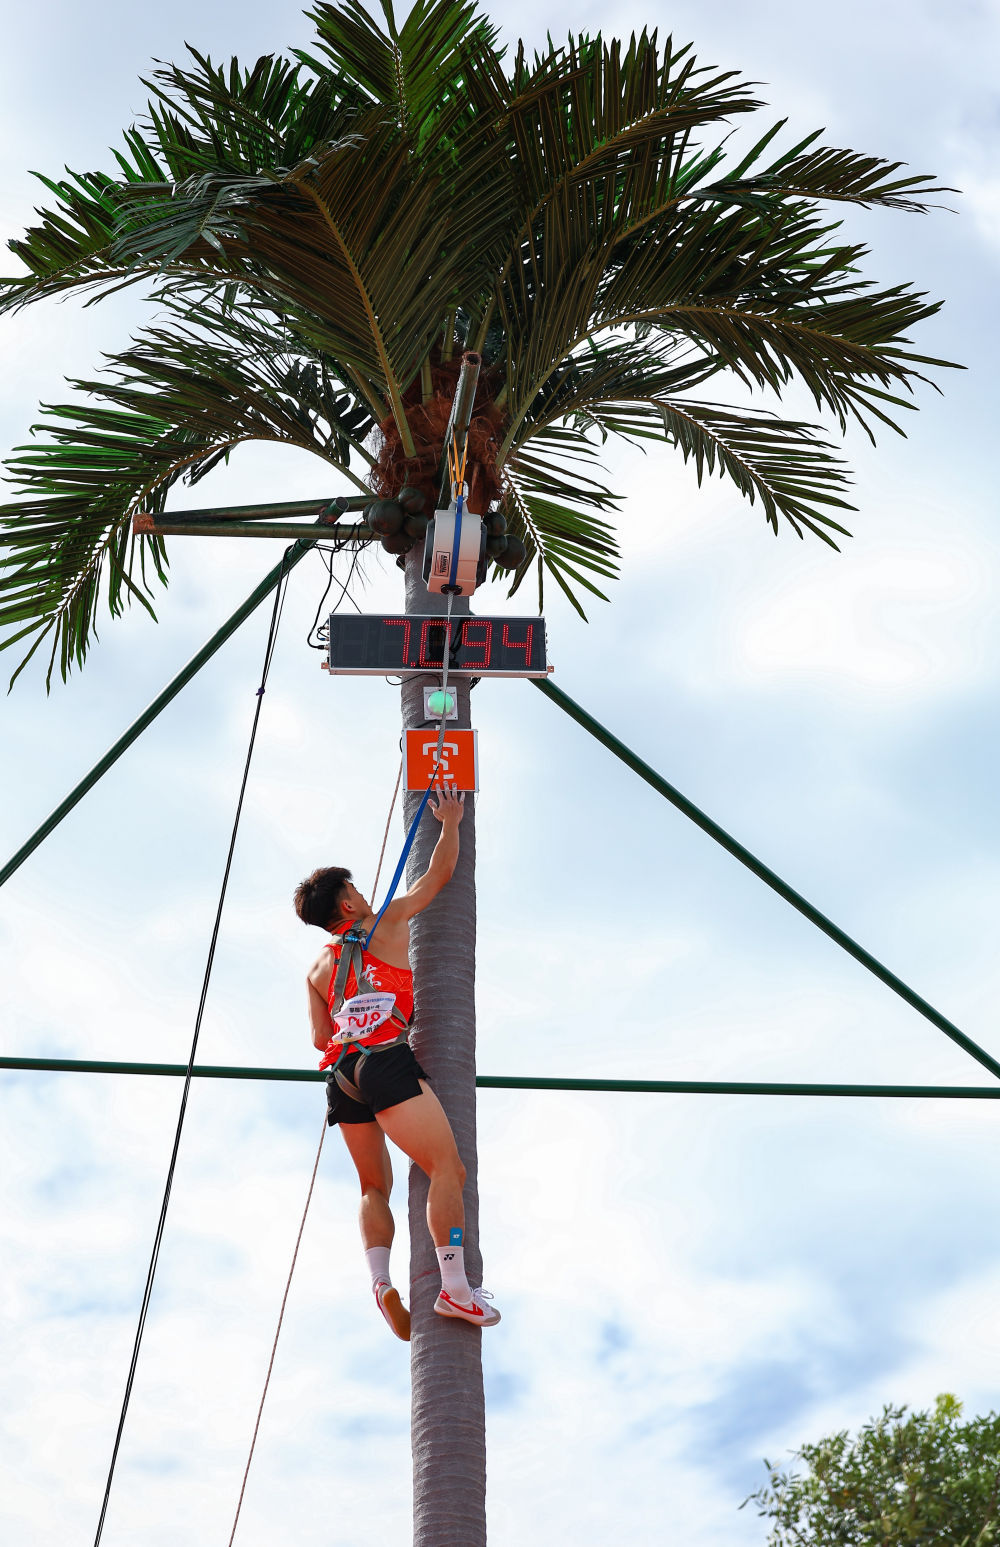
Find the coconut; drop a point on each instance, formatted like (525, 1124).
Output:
(513, 555)
(397, 542)
(412, 500)
(386, 517)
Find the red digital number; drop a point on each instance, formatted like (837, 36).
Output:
(519, 644)
(428, 647)
(485, 644)
(404, 624)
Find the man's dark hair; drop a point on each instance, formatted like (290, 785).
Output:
(317, 898)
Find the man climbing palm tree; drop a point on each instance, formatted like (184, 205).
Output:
(373, 1096)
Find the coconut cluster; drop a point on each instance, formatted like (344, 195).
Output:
(401, 524)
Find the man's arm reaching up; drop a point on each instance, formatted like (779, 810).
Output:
(449, 811)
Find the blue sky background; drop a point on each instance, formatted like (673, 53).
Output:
(688, 1284)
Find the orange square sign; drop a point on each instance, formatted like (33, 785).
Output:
(459, 764)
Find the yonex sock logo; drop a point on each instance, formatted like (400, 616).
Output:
(449, 1256)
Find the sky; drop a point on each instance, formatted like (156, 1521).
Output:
(689, 1284)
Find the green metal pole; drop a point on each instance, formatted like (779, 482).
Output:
(273, 511)
(766, 875)
(177, 526)
(194, 665)
(522, 1082)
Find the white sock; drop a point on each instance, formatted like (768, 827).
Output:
(378, 1264)
(451, 1261)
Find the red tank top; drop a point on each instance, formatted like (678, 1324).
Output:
(388, 980)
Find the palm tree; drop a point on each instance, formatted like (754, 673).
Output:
(321, 239)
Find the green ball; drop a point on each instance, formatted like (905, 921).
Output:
(441, 703)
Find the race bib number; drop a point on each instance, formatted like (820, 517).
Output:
(362, 1015)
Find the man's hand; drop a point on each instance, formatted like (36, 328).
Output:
(450, 806)
(449, 811)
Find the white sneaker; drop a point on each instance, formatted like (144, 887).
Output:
(392, 1308)
(480, 1314)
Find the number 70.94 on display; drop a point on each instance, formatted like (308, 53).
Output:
(375, 644)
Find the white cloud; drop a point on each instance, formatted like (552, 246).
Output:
(981, 197)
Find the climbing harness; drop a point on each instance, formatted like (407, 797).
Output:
(352, 954)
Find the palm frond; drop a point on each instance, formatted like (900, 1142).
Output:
(443, 57)
(544, 486)
(824, 173)
(555, 535)
(589, 110)
(769, 299)
(782, 462)
(172, 407)
(242, 120)
(71, 248)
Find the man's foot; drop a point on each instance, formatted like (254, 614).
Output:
(392, 1308)
(477, 1311)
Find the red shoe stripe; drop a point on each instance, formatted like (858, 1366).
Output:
(476, 1310)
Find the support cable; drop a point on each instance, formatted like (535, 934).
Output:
(759, 869)
(277, 1334)
(305, 1212)
(159, 703)
(388, 824)
(279, 596)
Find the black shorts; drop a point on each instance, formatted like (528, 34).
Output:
(385, 1080)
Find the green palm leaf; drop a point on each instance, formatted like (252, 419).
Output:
(782, 462)
(545, 483)
(172, 407)
(824, 173)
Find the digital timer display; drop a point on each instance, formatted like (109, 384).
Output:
(373, 645)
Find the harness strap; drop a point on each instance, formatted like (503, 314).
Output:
(348, 1086)
(351, 955)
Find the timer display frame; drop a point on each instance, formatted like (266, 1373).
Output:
(390, 643)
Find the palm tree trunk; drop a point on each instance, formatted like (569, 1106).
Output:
(448, 1427)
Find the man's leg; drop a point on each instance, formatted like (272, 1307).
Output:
(366, 1145)
(367, 1148)
(421, 1128)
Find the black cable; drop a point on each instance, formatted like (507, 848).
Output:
(345, 595)
(279, 597)
(329, 554)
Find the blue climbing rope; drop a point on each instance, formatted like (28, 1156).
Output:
(407, 846)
